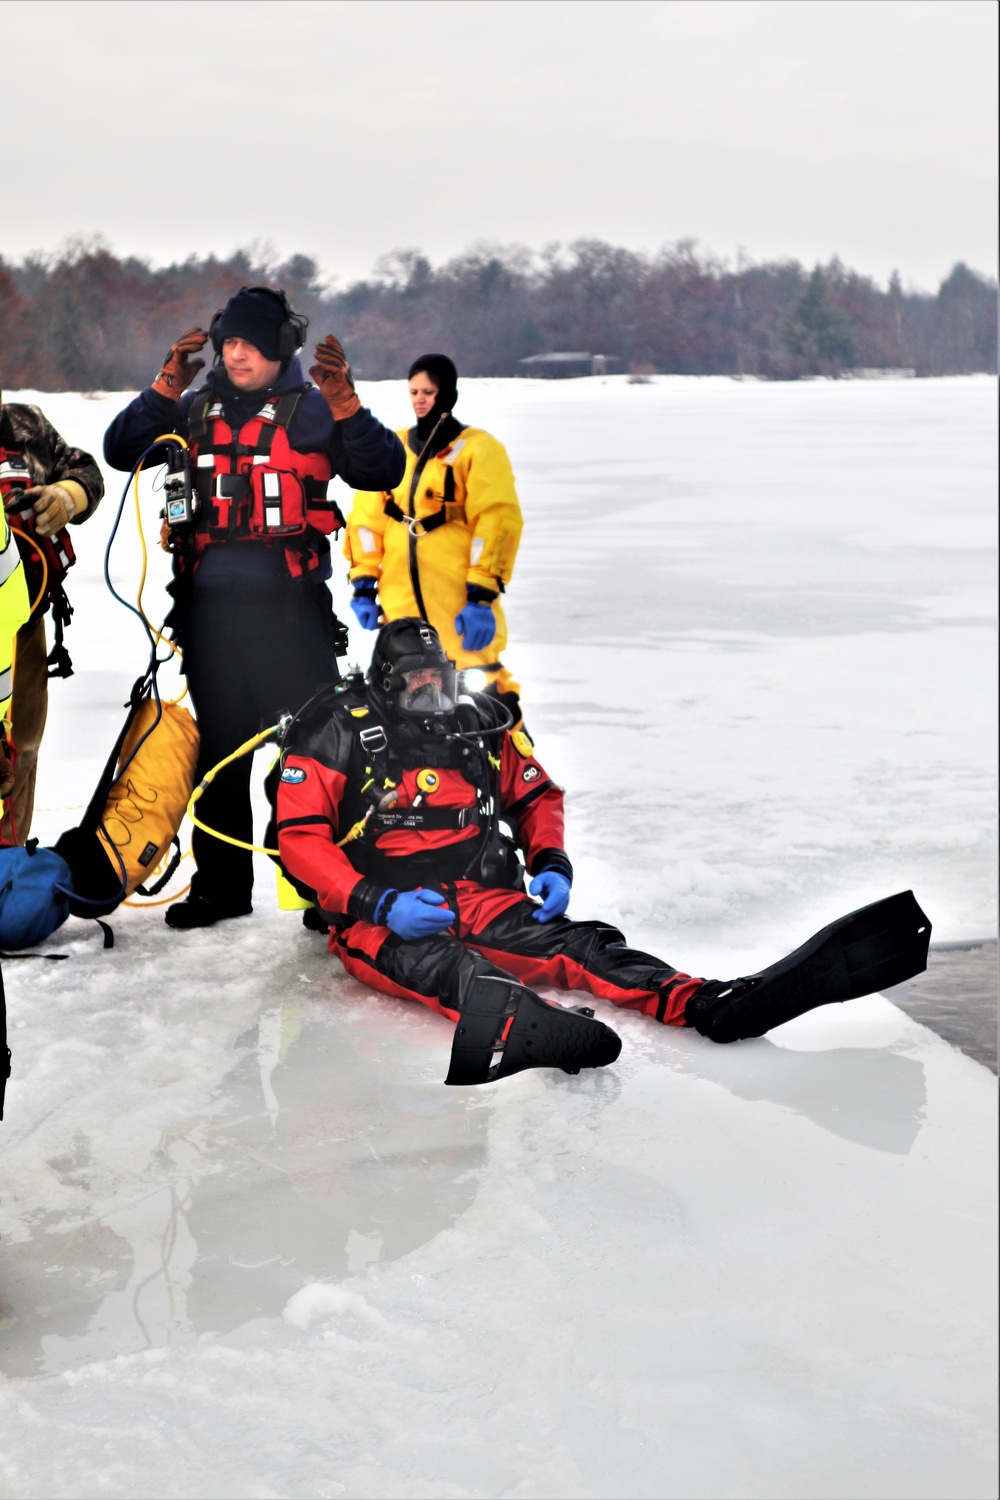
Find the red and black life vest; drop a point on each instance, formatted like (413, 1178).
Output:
(46, 559)
(252, 485)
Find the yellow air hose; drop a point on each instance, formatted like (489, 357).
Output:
(246, 748)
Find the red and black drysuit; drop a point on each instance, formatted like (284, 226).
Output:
(441, 834)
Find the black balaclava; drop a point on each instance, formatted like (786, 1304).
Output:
(445, 376)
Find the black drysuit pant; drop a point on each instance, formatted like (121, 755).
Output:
(495, 932)
(248, 658)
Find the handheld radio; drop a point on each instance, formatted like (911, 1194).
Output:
(180, 499)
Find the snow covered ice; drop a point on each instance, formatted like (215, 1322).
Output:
(251, 1245)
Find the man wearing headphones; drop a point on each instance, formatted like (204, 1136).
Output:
(252, 611)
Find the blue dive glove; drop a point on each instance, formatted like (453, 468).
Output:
(554, 890)
(414, 914)
(477, 626)
(365, 605)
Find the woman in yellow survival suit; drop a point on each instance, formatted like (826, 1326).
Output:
(442, 544)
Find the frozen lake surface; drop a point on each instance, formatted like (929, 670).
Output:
(251, 1245)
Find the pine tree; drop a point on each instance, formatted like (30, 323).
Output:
(815, 332)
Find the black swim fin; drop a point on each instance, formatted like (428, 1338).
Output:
(505, 1027)
(865, 952)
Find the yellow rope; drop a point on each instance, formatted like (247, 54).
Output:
(143, 902)
(163, 901)
(206, 781)
(45, 565)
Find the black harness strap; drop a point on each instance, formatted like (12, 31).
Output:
(426, 817)
(431, 522)
(376, 749)
(410, 518)
(197, 416)
(285, 409)
(522, 803)
(310, 819)
(51, 958)
(91, 820)
(59, 662)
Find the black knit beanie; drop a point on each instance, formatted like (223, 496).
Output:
(256, 315)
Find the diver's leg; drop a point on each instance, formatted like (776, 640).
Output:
(501, 1026)
(591, 956)
(867, 951)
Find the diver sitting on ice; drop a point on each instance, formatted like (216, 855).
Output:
(388, 798)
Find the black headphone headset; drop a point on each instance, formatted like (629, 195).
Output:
(291, 333)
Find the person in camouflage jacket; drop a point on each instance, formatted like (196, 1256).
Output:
(46, 484)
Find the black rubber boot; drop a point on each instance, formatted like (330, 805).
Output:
(313, 922)
(860, 954)
(198, 911)
(505, 1028)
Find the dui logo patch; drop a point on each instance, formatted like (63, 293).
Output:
(293, 775)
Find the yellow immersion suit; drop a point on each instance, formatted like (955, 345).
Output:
(465, 529)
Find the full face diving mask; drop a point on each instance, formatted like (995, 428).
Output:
(425, 692)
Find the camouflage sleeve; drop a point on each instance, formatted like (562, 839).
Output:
(51, 458)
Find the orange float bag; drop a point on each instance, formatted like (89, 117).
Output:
(147, 801)
(136, 811)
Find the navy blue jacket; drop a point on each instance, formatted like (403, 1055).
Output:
(366, 455)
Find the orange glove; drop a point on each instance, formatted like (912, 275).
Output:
(332, 374)
(179, 371)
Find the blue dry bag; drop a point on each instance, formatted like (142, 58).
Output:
(31, 906)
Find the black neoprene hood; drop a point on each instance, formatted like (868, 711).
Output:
(445, 376)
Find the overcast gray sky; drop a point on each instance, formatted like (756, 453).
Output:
(348, 128)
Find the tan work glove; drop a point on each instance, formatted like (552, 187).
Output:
(179, 371)
(7, 757)
(332, 374)
(55, 504)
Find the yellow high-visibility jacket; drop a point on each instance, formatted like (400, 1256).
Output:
(472, 484)
(15, 607)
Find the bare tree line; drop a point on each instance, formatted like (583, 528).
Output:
(84, 319)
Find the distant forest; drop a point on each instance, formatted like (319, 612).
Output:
(84, 319)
